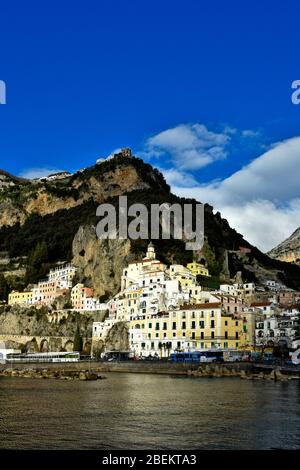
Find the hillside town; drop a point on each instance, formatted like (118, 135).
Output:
(166, 310)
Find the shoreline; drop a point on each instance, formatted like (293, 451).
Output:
(93, 371)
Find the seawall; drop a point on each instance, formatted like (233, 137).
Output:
(243, 370)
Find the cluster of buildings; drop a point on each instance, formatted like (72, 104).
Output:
(58, 284)
(167, 311)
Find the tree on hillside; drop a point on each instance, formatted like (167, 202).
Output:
(214, 266)
(4, 288)
(78, 343)
(37, 266)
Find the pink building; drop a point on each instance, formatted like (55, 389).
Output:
(79, 294)
(230, 303)
(46, 292)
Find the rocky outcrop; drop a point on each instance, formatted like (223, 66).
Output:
(117, 338)
(289, 249)
(62, 374)
(100, 262)
(228, 370)
(20, 198)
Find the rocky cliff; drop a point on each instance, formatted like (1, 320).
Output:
(289, 249)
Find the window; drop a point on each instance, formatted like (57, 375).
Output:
(226, 322)
(212, 323)
(157, 326)
(193, 325)
(236, 335)
(174, 325)
(193, 335)
(183, 325)
(202, 335)
(201, 324)
(226, 334)
(212, 335)
(225, 344)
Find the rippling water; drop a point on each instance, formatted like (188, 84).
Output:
(133, 411)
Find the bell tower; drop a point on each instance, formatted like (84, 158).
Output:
(151, 251)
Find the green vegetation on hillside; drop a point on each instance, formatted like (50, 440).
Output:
(4, 288)
(37, 264)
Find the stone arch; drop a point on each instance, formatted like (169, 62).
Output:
(44, 346)
(69, 345)
(32, 346)
(87, 348)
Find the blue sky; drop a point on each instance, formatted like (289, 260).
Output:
(200, 89)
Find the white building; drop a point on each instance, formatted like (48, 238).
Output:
(63, 274)
(275, 330)
(149, 265)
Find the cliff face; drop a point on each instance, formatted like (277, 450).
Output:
(117, 339)
(100, 262)
(21, 198)
(289, 249)
(63, 214)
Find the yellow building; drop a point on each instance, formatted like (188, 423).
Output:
(198, 269)
(133, 300)
(20, 298)
(192, 327)
(249, 320)
(232, 332)
(182, 274)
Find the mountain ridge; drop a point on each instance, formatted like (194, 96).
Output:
(63, 214)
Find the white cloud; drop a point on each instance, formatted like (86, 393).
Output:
(178, 178)
(250, 133)
(31, 173)
(262, 200)
(263, 223)
(188, 146)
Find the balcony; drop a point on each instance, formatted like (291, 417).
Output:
(209, 338)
